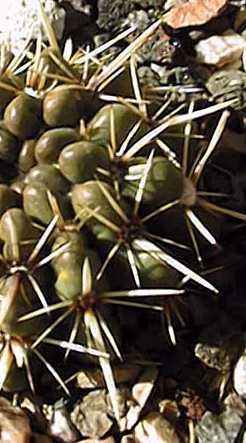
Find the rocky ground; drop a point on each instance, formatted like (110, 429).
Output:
(194, 391)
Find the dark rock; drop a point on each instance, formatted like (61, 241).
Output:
(112, 14)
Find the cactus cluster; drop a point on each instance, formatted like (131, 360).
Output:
(103, 210)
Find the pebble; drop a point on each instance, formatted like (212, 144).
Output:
(60, 424)
(155, 429)
(14, 424)
(94, 379)
(221, 428)
(140, 394)
(213, 356)
(192, 12)
(234, 401)
(90, 415)
(169, 409)
(220, 50)
(239, 376)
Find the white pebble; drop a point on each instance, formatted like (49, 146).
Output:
(239, 376)
(219, 50)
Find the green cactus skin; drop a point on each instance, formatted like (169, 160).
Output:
(74, 205)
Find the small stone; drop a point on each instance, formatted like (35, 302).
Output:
(144, 386)
(94, 378)
(239, 376)
(213, 356)
(235, 402)
(91, 415)
(28, 404)
(193, 405)
(226, 85)
(140, 394)
(219, 50)
(244, 59)
(219, 428)
(112, 13)
(60, 424)
(192, 12)
(169, 409)
(137, 18)
(155, 428)
(14, 424)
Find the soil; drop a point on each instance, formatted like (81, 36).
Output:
(183, 393)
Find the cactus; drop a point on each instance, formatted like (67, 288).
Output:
(99, 209)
